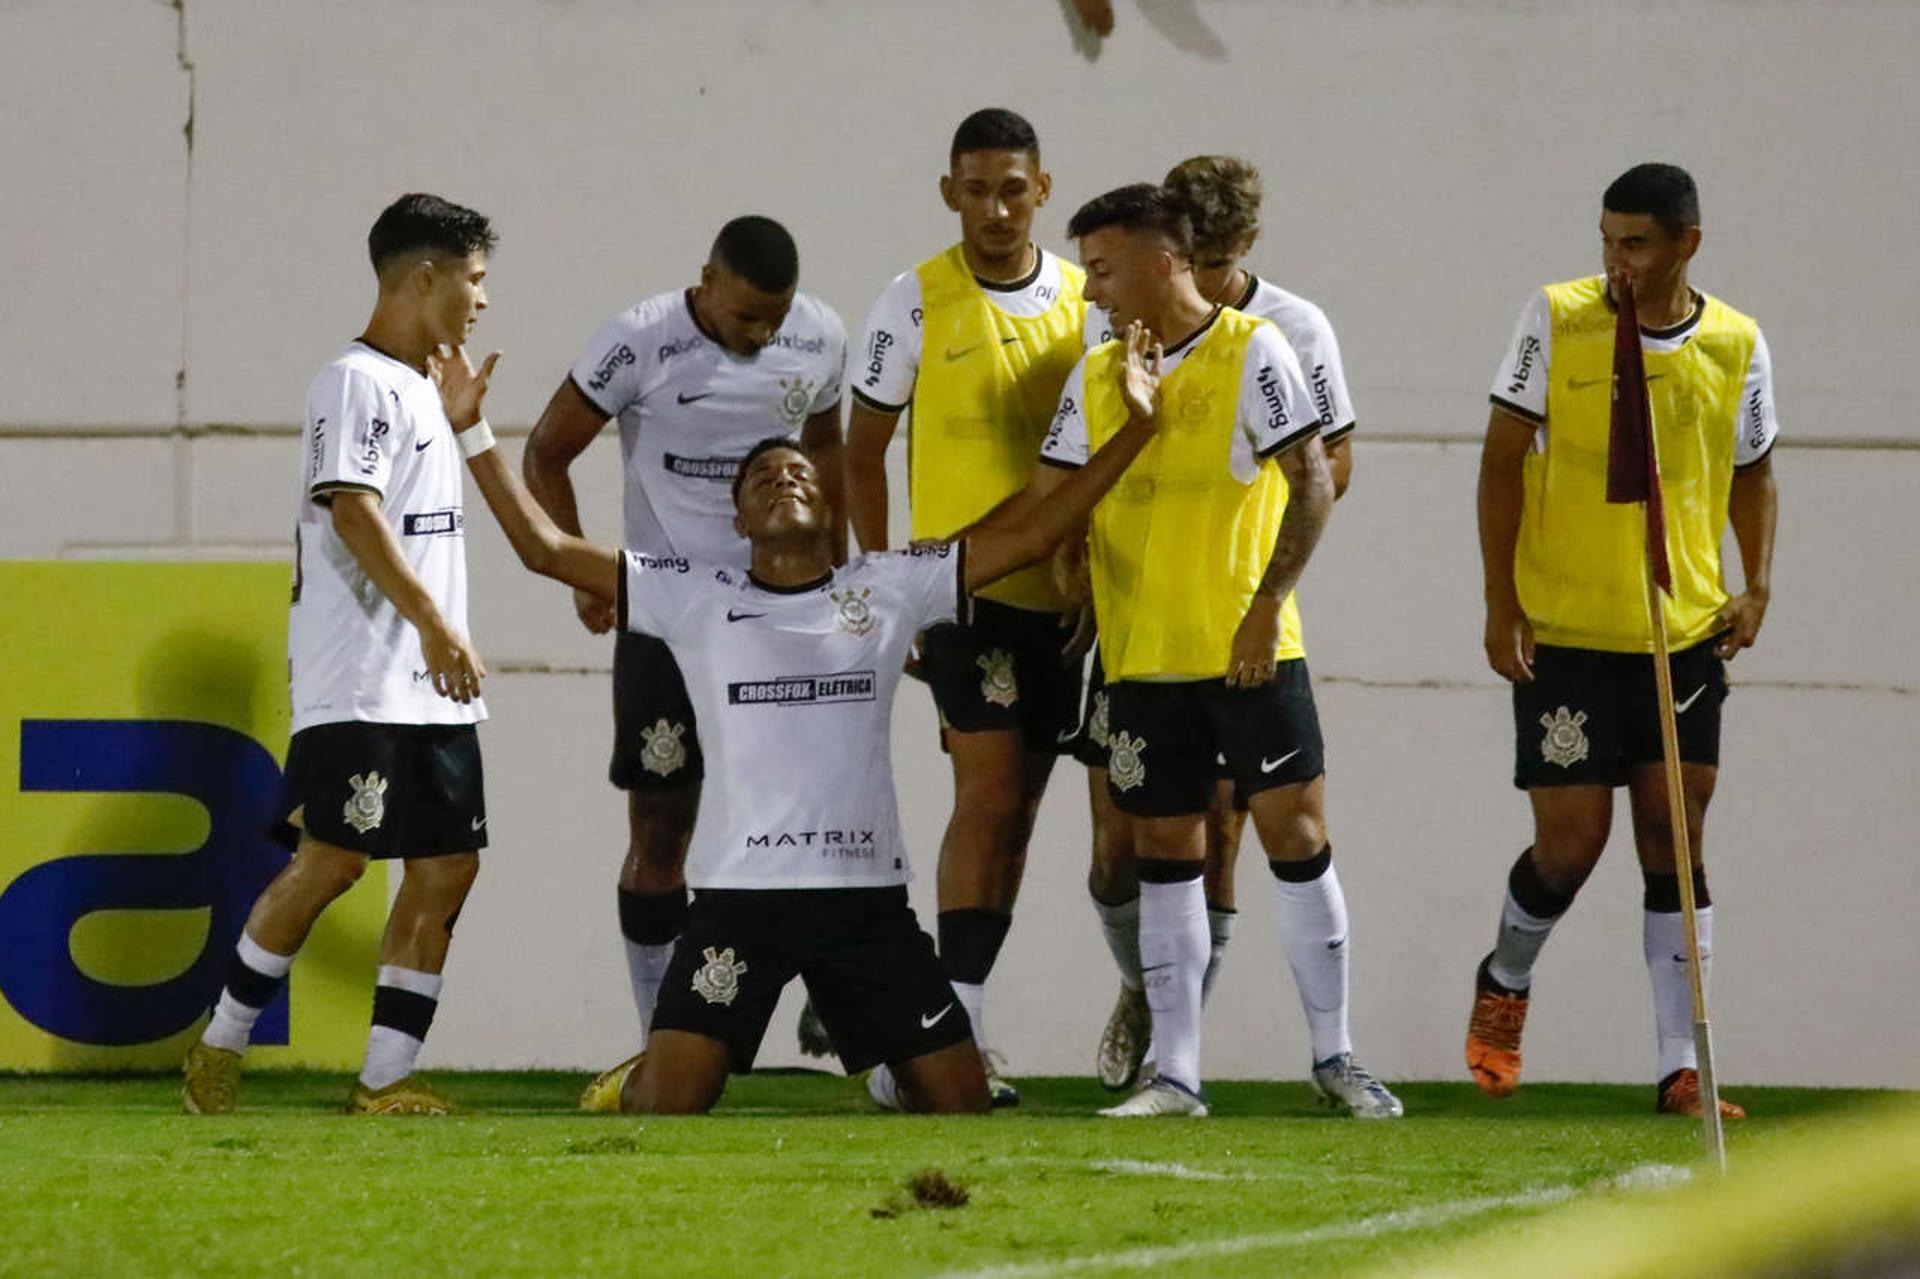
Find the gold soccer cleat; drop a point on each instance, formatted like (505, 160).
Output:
(212, 1080)
(407, 1096)
(602, 1096)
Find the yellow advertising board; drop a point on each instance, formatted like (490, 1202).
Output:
(143, 721)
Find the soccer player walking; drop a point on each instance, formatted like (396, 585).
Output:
(1221, 196)
(384, 760)
(695, 377)
(1566, 598)
(798, 863)
(1206, 665)
(975, 344)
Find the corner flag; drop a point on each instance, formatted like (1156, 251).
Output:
(1633, 469)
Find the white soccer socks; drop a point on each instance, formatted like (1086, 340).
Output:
(1173, 962)
(1120, 925)
(253, 979)
(650, 922)
(1220, 932)
(1527, 916)
(1313, 929)
(404, 1002)
(1664, 940)
(970, 941)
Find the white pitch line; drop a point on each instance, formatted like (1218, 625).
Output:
(1399, 1221)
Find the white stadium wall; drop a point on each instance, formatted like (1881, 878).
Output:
(183, 200)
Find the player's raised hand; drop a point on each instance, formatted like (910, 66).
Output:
(1254, 640)
(1509, 642)
(1140, 375)
(452, 664)
(462, 387)
(596, 614)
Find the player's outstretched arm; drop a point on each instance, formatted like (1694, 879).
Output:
(1309, 504)
(999, 545)
(535, 538)
(567, 425)
(452, 664)
(1509, 636)
(820, 437)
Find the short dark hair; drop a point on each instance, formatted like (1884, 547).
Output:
(418, 221)
(760, 250)
(993, 129)
(1663, 191)
(1221, 194)
(768, 445)
(1141, 206)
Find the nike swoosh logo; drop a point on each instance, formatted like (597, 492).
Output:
(1267, 766)
(962, 352)
(1008, 341)
(1061, 739)
(741, 617)
(928, 1023)
(422, 445)
(684, 398)
(1336, 943)
(1581, 384)
(1680, 708)
(1679, 959)
(478, 822)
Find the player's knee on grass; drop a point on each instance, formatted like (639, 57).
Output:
(682, 1074)
(948, 1081)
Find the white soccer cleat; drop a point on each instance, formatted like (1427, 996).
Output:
(884, 1090)
(1123, 1044)
(1161, 1096)
(1344, 1084)
(999, 1089)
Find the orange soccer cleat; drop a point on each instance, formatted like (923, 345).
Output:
(1493, 1034)
(1680, 1095)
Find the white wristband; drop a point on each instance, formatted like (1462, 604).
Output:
(476, 439)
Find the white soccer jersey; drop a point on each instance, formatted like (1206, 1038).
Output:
(1276, 408)
(689, 410)
(1520, 385)
(1307, 331)
(888, 361)
(375, 423)
(793, 691)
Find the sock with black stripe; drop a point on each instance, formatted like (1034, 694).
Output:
(1173, 960)
(404, 1001)
(650, 922)
(1313, 932)
(1664, 943)
(254, 977)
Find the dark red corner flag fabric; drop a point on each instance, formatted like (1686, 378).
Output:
(1633, 471)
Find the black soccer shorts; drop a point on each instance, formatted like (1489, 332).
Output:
(868, 967)
(1003, 670)
(1589, 718)
(1167, 743)
(656, 745)
(386, 790)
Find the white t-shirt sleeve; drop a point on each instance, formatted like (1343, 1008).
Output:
(1759, 424)
(350, 431)
(608, 371)
(888, 361)
(1276, 405)
(1319, 352)
(1066, 442)
(655, 592)
(828, 397)
(932, 578)
(1521, 384)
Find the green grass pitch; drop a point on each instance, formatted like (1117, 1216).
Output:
(795, 1174)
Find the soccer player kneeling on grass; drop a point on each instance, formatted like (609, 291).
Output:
(384, 760)
(798, 864)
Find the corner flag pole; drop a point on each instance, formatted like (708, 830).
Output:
(1633, 475)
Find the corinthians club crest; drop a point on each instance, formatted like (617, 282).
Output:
(662, 753)
(856, 615)
(796, 393)
(1566, 742)
(1097, 722)
(367, 806)
(997, 684)
(1125, 769)
(718, 980)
